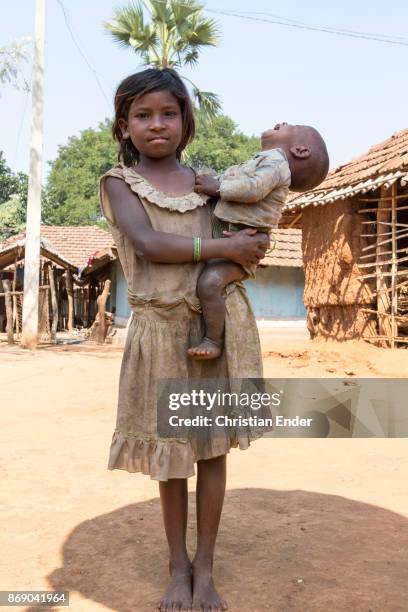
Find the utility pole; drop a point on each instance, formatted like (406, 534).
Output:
(33, 223)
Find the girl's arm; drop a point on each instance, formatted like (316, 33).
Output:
(245, 247)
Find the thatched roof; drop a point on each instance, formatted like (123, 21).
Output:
(288, 249)
(384, 164)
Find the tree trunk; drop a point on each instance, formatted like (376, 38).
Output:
(70, 294)
(9, 311)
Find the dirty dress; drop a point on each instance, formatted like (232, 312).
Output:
(165, 322)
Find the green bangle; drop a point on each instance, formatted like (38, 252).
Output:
(196, 249)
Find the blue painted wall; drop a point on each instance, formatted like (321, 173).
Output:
(118, 295)
(277, 292)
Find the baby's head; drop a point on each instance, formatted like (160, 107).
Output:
(306, 152)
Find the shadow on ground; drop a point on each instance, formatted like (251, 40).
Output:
(277, 550)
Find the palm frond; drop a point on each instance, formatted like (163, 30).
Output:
(129, 29)
(191, 58)
(202, 32)
(208, 103)
(183, 10)
(160, 11)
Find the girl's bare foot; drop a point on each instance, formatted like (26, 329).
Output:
(178, 596)
(205, 596)
(207, 349)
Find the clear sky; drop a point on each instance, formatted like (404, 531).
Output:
(354, 91)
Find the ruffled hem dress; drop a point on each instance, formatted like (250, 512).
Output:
(166, 320)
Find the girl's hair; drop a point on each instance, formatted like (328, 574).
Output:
(136, 85)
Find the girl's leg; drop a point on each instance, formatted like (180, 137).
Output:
(211, 480)
(174, 500)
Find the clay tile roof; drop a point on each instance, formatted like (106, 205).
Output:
(75, 244)
(288, 250)
(385, 163)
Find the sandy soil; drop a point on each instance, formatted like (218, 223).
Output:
(308, 526)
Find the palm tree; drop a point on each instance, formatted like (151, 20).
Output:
(172, 38)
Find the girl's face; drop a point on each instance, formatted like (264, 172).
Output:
(154, 124)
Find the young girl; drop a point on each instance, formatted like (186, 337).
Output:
(162, 230)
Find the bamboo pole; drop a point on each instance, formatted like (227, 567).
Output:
(9, 311)
(384, 253)
(54, 304)
(364, 210)
(377, 244)
(383, 301)
(390, 232)
(382, 338)
(385, 314)
(15, 314)
(383, 263)
(403, 284)
(295, 220)
(398, 197)
(70, 296)
(384, 223)
(394, 307)
(384, 274)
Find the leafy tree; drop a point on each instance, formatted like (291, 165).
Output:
(11, 57)
(13, 200)
(12, 217)
(173, 38)
(7, 180)
(220, 144)
(71, 196)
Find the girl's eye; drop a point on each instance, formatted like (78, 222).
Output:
(141, 115)
(170, 113)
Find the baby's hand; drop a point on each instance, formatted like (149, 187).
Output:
(205, 183)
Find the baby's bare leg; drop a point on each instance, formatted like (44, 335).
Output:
(217, 274)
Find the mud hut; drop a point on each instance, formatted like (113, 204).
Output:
(67, 298)
(355, 247)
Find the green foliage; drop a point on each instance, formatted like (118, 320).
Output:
(11, 57)
(7, 180)
(219, 145)
(13, 200)
(72, 193)
(12, 217)
(168, 34)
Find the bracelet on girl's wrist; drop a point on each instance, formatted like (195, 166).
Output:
(197, 249)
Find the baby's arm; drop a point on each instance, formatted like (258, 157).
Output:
(162, 247)
(246, 185)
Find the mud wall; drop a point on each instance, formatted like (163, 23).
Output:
(334, 293)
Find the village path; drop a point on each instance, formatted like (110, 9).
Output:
(309, 525)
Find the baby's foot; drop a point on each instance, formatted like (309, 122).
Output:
(207, 349)
(178, 596)
(205, 596)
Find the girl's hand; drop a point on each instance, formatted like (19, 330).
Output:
(205, 183)
(247, 246)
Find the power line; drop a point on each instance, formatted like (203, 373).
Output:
(108, 102)
(384, 38)
(348, 33)
(389, 37)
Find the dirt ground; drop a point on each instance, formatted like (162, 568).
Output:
(309, 525)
